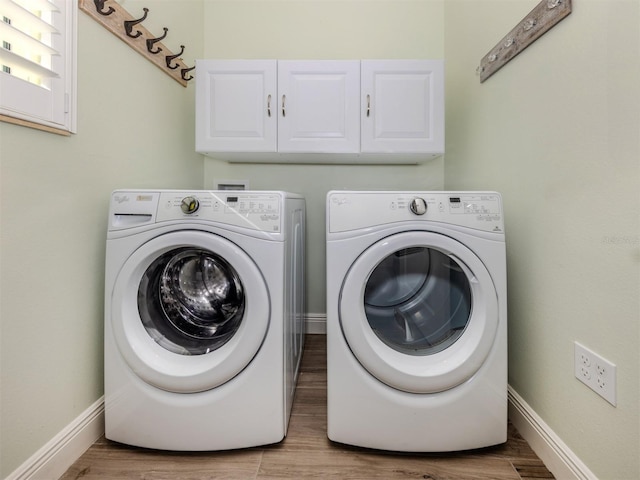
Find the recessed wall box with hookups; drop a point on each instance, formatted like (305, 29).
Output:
(231, 185)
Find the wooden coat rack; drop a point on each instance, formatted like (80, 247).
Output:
(118, 21)
(539, 21)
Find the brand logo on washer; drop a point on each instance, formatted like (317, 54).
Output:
(120, 198)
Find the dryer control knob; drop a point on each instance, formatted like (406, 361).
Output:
(189, 205)
(418, 206)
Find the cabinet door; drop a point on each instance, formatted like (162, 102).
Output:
(235, 106)
(402, 106)
(318, 106)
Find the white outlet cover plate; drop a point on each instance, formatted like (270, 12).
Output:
(596, 372)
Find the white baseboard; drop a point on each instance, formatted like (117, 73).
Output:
(316, 323)
(55, 458)
(556, 455)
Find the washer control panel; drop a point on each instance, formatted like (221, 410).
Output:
(355, 210)
(254, 210)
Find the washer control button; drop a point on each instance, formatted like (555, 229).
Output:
(418, 206)
(189, 205)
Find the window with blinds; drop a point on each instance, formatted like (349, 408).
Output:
(37, 61)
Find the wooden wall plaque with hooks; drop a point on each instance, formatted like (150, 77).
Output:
(122, 24)
(539, 21)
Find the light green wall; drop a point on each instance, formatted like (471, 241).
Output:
(306, 29)
(557, 131)
(135, 129)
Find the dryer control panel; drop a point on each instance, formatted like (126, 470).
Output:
(348, 210)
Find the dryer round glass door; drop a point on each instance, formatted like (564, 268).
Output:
(418, 300)
(419, 311)
(190, 311)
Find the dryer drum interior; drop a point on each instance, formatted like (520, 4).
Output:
(418, 301)
(191, 301)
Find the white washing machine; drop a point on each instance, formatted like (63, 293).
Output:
(204, 329)
(416, 320)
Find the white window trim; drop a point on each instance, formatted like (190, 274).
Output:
(61, 116)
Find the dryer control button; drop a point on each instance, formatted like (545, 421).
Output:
(189, 205)
(418, 206)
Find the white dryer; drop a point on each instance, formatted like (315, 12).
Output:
(416, 320)
(204, 301)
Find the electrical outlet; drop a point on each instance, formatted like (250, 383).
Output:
(598, 373)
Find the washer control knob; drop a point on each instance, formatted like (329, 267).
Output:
(418, 206)
(189, 205)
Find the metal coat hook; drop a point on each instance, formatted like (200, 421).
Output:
(100, 7)
(152, 41)
(129, 24)
(540, 20)
(170, 58)
(115, 18)
(184, 71)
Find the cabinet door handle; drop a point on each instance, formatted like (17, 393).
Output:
(284, 113)
(368, 105)
(269, 105)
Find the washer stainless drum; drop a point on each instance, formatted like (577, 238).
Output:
(416, 320)
(203, 317)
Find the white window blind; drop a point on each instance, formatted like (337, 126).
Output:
(37, 61)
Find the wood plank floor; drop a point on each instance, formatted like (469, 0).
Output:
(307, 453)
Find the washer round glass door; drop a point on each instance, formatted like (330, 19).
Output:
(180, 307)
(419, 311)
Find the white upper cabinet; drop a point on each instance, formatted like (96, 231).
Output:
(236, 106)
(319, 106)
(403, 106)
(321, 111)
